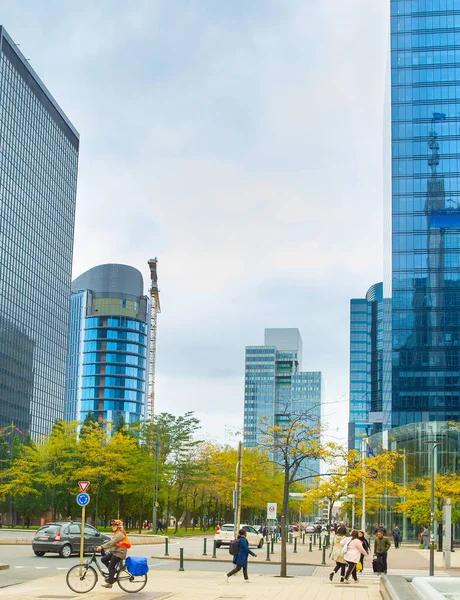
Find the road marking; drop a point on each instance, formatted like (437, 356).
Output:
(41, 568)
(62, 568)
(18, 567)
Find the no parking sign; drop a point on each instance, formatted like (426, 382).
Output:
(271, 510)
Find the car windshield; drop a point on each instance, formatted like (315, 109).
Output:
(49, 529)
(227, 528)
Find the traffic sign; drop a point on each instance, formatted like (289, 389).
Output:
(83, 485)
(82, 499)
(271, 510)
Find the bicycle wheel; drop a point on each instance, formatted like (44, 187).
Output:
(85, 582)
(131, 583)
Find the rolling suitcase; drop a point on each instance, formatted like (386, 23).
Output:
(377, 564)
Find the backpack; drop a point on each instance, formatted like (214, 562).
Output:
(125, 543)
(345, 547)
(234, 547)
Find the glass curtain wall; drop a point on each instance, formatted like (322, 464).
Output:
(425, 102)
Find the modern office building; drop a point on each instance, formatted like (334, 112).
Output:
(422, 275)
(108, 346)
(38, 182)
(366, 366)
(276, 387)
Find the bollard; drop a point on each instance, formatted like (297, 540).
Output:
(214, 547)
(204, 547)
(323, 562)
(314, 539)
(319, 546)
(328, 540)
(273, 546)
(290, 538)
(181, 559)
(295, 545)
(303, 539)
(268, 551)
(311, 549)
(166, 546)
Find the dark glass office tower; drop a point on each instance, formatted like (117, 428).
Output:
(425, 238)
(38, 181)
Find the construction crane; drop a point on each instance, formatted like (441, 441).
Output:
(154, 310)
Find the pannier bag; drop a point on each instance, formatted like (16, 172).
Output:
(233, 547)
(137, 565)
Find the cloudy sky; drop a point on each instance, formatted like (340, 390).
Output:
(241, 143)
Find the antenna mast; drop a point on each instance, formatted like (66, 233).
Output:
(154, 310)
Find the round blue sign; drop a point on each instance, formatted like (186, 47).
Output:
(82, 499)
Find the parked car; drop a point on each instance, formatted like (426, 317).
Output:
(226, 535)
(64, 537)
(310, 528)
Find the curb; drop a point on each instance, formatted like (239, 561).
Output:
(4, 567)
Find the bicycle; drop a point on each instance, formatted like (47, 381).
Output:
(84, 580)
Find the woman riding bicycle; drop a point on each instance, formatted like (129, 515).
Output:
(117, 550)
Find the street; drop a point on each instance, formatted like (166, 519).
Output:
(25, 566)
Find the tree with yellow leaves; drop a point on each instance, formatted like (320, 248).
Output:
(291, 442)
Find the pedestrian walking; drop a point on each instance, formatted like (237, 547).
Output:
(381, 528)
(353, 550)
(396, 536)
(337, 555)
(241, 559)
(366, 546)
(425, 538)
(381, 546)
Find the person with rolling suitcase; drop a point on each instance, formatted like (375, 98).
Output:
(381, 546)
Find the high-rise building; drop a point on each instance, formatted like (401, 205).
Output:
(423, 278)
(38, 182)
(366, 366)
(108, 346)
(275, 386)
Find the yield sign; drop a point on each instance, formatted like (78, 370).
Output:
(83, 485)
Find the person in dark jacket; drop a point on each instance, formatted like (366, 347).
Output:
(366, 546)
(241, 559)
(381, 546)
(396, 536)
(381, 528)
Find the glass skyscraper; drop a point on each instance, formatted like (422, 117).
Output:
(108, 345)
(276, 386)
(38, 181)
(423, 279)
(366, 366)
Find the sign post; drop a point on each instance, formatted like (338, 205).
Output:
(82, 500)
(271, 510)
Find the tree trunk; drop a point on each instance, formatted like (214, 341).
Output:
(284, 512)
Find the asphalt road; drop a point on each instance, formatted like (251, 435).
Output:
(25, 566)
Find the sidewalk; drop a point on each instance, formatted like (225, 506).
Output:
(405, 558)
(202, 585)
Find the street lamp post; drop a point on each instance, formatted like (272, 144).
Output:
(434, 444)
(352, 496)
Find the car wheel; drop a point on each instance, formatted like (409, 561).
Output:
(218, 544)
(65, 551)
(39, 553)
(261, 543)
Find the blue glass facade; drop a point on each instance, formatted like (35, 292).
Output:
(108, 346)
(425, 240)
(275, 385)
(366, 366)
(38, 181)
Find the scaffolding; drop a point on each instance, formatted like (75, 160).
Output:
(154, 310)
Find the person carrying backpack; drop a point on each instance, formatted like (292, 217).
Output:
(117, 550)
(241, 558)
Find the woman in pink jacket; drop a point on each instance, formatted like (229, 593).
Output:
(352, 554)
